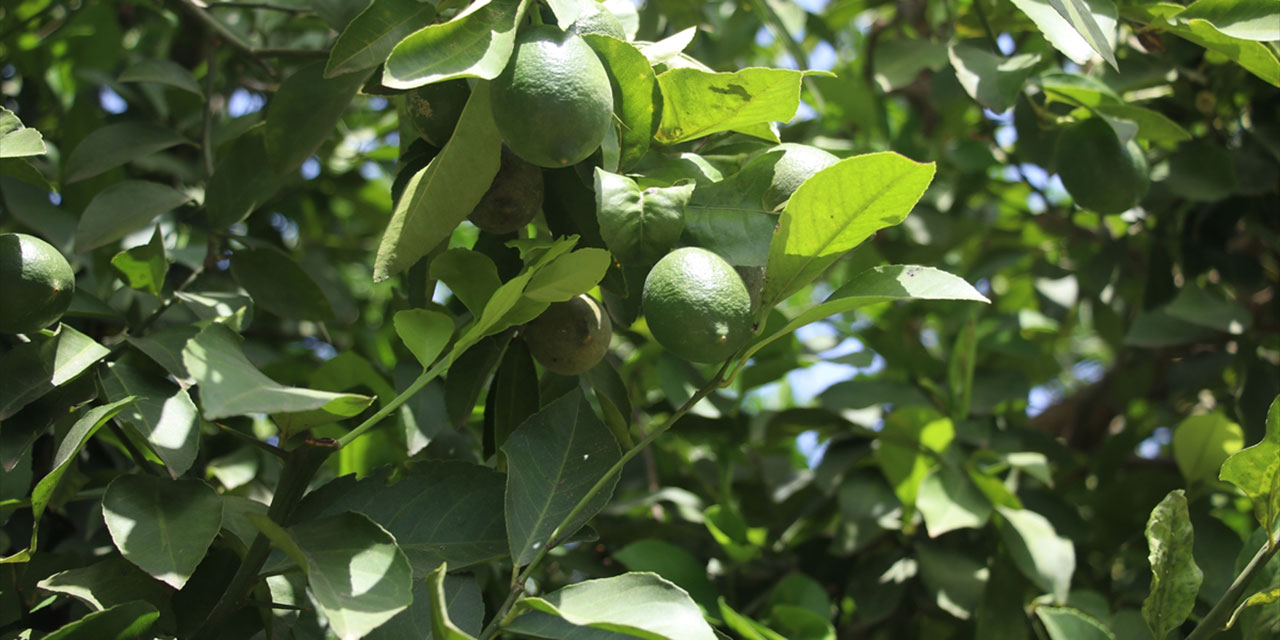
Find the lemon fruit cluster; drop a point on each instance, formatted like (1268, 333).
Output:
(552, 104)
(36, 283)
(696, 305)
(570, 337)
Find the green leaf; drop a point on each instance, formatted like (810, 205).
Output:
(470, 275)
(163, 526)
(231, 386)
(1061, 34)
(164, 72)
(17, 141)
(422, 510)
(442, 626)
(553, 459)
(797, 623)
(1256, 470)
(918, 434)
(960, 370)
(615, 401)
(739, 541)
(955, 580)
(123, 208)
(24, 171)
(513, 396)
(1257, 57)
(443, 193)
(143, 267)
(164, 347)
(1199, 307)
(636, 101)
(115, 144)
(746, 627)
(993, 80)
(128, 620)
(672, 563)
(1202, 443)
(1042, 555)
(1095, 21)
(370, 37)
(461, 598)
(1065, 623)
(476, 43)
(697, 103)
(1175, 577)
(69, 447)
(111, 582)
(639, 225)
(834, 211)
(566, 11)
(164, 415)
(948, 500)
(34, 368)
(242, 181)
(1245, 19)
(1269, 596)
(571, 274)
(303, 113)
(277, 283)
(426, 333)
(358, 576)
(633, 604)
(879, 284)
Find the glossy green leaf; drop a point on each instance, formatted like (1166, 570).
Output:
(143, 267)
(358, 576)
(672, 563)
(164, 347)
(1202, 443)
(633, 604)
(242, 181)
(1246, 19)
(163, 416)
(742, 543)
(1255, 56)
(1256, 471)
(128, 620)
(230, 385)
(164, 72)
(1061, 34)
(553, 459)
(835, 210)
(1265, 597)
(420, 511)
(461, 598)
(960, 370)
(470, 275)
(37, 367)
(614, 398)
(513, 396)
(948, 500)
(17, 141)
(955, 580)
(426, 333)
(636, 101)
(639, 225)
(303, 114)
(115, 144)
(23, 170)
(110, 582)
(123, 208)
(917, 436)
(476, 43)
(68, 448)
(1066, 623)
(1175, 577)
(697, 103)
(443, 193)
(993, 80)
(370, 37)
(571, 274)
(746, 627)
(566, 11)
(1199, 307)
(1038, 551)
(277, 283)
(163, 526)
(442, 625)
(1095, 21)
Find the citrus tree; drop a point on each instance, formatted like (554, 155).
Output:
(673, 319)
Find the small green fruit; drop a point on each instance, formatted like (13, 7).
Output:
(435, 109)
(570, 337)
(1099, 172)
(597, 19)
(513, 199)
(696, 305)
(36, 283)
(784, 168)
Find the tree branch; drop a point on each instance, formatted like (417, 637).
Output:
(238, 43)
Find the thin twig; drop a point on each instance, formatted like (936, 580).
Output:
(266, 6)
(240, 44)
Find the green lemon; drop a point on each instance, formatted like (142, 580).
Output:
(552, 104)
(696, 305)
(513, 199)
(435, 109)
(570, 337)
(1099, 172)
(597, 19)
(36, 283)
(785, 167)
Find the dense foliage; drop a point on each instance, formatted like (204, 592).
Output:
(294, 395)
